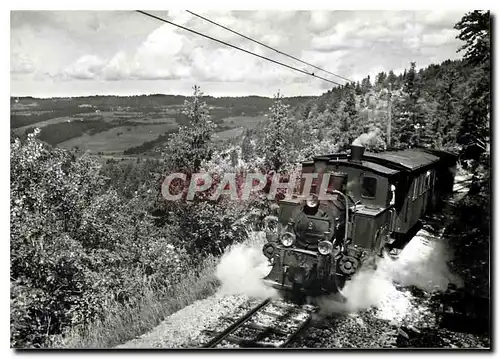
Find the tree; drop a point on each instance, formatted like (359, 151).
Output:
(348, 119)
(473, 134)
(76, 245)
(366, 85)
(358, 89)
(475, 31)
(192, 144)
(277, 145)
(234, 157)
(446, 115)
(409, 125)
(247, 148)
(392, 78)
(380, 81)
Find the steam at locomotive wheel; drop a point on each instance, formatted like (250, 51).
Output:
(374, 204)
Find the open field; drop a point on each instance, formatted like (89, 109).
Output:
(117, 139)
(69, 119)
(136, 125)
(249, 122)
(121, 138)
(232, 133)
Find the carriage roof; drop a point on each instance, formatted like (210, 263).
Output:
(390, 162)
(410, 160)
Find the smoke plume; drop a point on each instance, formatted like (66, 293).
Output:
(242, 268)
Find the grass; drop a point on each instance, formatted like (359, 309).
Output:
(126, 322)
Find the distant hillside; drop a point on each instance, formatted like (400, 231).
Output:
(106, 103)
(29, 110)
(129, 124)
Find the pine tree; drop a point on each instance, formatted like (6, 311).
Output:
(247, 148)
(474, 130)
(348, 119)
(366, 85)
(380, 81)
(392, 79)
(409, 123)
(234, 158)
(358, 89)
(446, 117)
(277, 145)
(191, 145)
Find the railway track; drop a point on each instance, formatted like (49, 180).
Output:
(269, 324)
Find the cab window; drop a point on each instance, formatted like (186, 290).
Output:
(368, 187)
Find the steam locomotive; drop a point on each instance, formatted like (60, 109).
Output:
(376, 202)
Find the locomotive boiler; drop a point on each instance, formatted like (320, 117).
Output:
(374, 203)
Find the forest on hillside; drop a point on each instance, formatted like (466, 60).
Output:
(92, 244)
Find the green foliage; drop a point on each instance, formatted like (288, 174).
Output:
(129, 178)
(192, 144)
(474, 130)
(475, 31)
(208, 227)
(75, 246)
(470, 234)
(409, 123)
(276, 144)
(202, 226)
(247, 148)
(234, 158)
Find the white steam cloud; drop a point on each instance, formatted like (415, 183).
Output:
(242, 268)
(422, 263)
(372, 139)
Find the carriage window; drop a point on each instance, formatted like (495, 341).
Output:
(427, 180)
(368, 187)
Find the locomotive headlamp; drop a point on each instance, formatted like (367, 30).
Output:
(325, 247)
(287, 239)
(312, 202)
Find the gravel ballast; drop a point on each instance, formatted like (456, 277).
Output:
(183, 329)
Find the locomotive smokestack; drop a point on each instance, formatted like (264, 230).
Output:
(357, 152)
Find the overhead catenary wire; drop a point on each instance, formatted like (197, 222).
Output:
(268, 47)
(236, 47)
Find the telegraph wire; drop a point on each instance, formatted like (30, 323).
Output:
(267, 46)
(236, 47)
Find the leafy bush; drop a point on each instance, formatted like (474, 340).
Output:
(469, 234)
(76, 247)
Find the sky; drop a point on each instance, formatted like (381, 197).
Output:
(79, 53)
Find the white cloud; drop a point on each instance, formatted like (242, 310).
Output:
(85, 68)
(128, 52)
(21, 64)
(117, 68)
(320, 21)
(445, 36)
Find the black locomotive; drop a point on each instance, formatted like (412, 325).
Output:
(376, 201)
